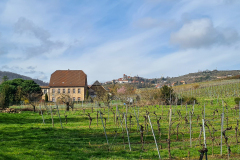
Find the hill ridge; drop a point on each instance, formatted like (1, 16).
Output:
(12, 76)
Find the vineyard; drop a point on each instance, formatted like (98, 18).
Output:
(121, 131)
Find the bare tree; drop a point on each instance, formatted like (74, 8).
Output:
(66, 99)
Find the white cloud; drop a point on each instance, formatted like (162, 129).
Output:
(202, 33)
(46, 45)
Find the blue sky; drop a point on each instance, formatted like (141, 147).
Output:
(108, 38)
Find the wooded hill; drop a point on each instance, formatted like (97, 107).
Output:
(202, 76)
(11, 76)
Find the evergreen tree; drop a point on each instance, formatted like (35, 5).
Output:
(46, 97)
(5, 78)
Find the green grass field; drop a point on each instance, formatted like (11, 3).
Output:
(25, 136)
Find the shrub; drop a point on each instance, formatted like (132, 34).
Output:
(165, 94)
(26, 101)
(237, 99)
(195, 86)
(188, 100)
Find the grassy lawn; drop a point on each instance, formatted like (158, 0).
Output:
(24, 135)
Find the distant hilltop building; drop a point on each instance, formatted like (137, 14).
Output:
(129, 79)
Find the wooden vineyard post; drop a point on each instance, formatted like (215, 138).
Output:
(154, 136)
(103, 127)
(204, 112)
(169, 133)
(190, 129)
(41, 113)
(52, 117)
(222, 130)
(204, 135)
(127, 131)
(141, 131)
(59, 116)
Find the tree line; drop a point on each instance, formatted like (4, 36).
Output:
(17, 90)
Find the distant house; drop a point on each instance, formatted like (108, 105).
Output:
(71, 82)
(158, 86)
(182, 82)
(96, 88)
(125, 81)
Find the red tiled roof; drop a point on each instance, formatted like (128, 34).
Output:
(68, 78)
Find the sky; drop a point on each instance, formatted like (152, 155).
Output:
(109, 38)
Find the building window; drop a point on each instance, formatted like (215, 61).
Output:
(53, 99)
(79, 99)
(73, 98)
(53, 90)
(79, 91)
(58, 90)
(63, 90)
(45, 91)
(68, 90)
(73, 90)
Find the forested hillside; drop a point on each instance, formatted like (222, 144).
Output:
(11, 76)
